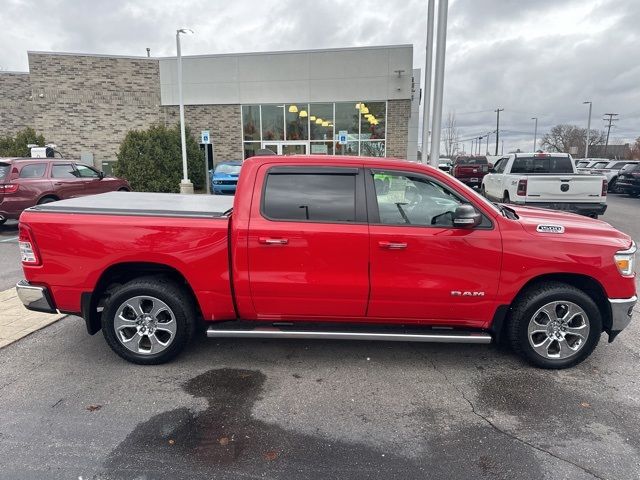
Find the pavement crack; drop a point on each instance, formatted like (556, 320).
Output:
(502, 431)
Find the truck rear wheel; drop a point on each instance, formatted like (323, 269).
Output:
(555, 326)
(148, 320)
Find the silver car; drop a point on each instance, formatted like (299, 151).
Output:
(611, 170)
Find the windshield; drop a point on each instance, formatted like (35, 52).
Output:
(626, 169)
(582, 164)
(541, 165)
(4, 169)
(228, 169)
(471, 161)
(600, 165)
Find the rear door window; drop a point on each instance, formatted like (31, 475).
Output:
(630, 167)
(542, 165)
(63, 170)
(310, 197)
(34, 170)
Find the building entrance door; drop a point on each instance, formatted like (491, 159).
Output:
(287, 148)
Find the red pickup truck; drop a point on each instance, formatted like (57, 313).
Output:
(329, 247)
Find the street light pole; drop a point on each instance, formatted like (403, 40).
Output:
(535, 133)
(185, 184)
(498, 110)
(586, 150)
(428, 73)
(438, 90)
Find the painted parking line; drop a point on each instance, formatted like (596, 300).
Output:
(6, 240)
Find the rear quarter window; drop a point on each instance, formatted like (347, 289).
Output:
(4, 170)
(34, 170)
(631, 167)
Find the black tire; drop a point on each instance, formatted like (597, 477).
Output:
(613, 187)
(635, 193)
(124, 189)
(176, 297)
(3, 221)
(44, 200)
(505, 197)
(531, 301)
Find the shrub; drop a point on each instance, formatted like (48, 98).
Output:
(17, 146)
(151, 160)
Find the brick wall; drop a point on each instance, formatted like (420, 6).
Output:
(398, 113)
(86, 103)
(16, 110)
(223, 121)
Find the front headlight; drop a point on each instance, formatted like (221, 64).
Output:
(625, 260)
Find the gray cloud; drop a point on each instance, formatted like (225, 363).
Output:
(531, 57)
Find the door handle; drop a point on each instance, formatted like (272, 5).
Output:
(273, 241)
(393, 245)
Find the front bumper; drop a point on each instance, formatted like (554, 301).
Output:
(35, 298)
(621, 312)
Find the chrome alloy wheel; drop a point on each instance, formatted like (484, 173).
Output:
(558, 330)
(145, 325)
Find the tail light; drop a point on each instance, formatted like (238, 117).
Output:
(485, 168)
(604, 187)
(9, 188)
(28, 249)
(522, 188)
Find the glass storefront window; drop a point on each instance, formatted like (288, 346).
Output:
(322, 124)
(313, 128)
(272, 122)
(372, 149)
(297, 116)
(321, 148)
(347, 116)
(351, 148)
(251, 122)
(372, 120)
(250, 149)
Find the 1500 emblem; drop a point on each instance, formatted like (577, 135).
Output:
(550, 228)
(458, 293)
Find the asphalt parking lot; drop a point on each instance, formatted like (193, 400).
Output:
(237, 408)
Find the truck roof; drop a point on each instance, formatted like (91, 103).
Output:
(375, 162)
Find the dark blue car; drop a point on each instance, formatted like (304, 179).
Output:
(224, 178)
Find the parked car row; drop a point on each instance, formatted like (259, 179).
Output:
(613, 170)
(25, 182)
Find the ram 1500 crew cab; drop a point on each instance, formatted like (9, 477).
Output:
(329, 247)
(548, 180)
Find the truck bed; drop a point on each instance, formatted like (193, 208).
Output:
(143, 204)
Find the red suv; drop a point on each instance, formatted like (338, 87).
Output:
(25, 182)
(470, 170)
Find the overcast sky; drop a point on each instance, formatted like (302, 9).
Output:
(531, 57)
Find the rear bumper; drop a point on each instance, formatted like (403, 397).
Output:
(581, 208)
(472, 181)
(627, 185)
(35, 298)
(621, 312)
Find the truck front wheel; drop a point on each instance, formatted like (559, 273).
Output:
(148, 320)
(555, 325)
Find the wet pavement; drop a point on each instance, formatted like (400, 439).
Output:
(286, 409)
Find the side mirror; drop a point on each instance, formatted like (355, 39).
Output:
(466, 216)
(492, 170)
(100, 175)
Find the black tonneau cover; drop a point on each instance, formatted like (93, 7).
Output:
(143, 204)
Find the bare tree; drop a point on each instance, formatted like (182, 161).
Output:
(635, 150)
(563, 137)
(451, 135)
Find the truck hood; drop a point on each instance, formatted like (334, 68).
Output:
(552, 223)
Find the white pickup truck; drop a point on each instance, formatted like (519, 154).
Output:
(547, 180)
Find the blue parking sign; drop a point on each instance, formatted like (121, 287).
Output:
(204, 136)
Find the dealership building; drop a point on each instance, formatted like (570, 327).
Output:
(295, 102)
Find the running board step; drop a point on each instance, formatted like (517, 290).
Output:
(448, 337)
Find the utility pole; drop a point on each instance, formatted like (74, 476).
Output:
(473, 142)
(502, 148)
(480, 144)
(498, 110)
(438, 83)
(610, 120)
(586, 150)
(535, 133)
(488, 135)
(428, 73)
